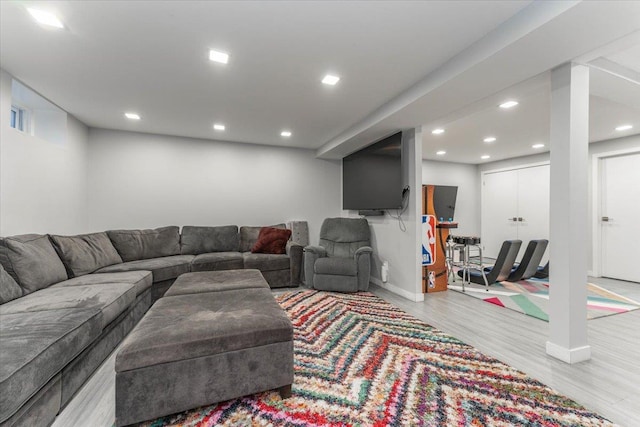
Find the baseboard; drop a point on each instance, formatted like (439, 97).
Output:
(415, 297)
(569, 355)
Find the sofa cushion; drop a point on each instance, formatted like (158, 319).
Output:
(335, 265)
(31, 260)
(36, 346)
(111, 299)
(217, 261)
(190, 326)
(140, 279)
(165, 268)
(134, 245)
(249, 236)
(85, 253)
(266, 262)
(216, 281)
(200, 240)
(9, 289)
(271, 241)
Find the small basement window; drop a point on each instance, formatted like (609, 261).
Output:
(20, 118)
(36, 116)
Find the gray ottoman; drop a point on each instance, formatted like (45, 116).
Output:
(215, 281)
(201, 348)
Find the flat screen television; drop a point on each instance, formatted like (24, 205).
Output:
(444, 201)
(372, 177)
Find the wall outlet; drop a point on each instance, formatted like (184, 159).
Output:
(384, 272)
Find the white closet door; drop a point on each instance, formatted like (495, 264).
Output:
(499, 207)
(620, 220)
(533, 206)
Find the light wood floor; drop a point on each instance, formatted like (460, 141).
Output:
(609, 383)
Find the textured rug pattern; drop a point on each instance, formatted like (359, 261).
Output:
(531, 297)
(359, 361)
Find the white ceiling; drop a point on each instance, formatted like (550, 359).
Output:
(613, 102)
(402, 64)
(152, 58)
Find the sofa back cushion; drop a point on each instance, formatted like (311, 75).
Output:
(32, 261)
(133, 245)
(202, 240)
(9, 289)
(85, 253)
(249, 236)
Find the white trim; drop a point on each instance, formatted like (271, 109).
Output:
(569, 355)
(516, 167)
(415, 297)
(596, 183)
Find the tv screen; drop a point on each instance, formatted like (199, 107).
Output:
(444, 201)
(372, 177)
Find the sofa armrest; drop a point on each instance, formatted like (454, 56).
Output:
(311, 254)
(294, 250)
(363, 265)
(293, 246)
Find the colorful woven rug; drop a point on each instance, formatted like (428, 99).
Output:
(359, 361)
(531, 297)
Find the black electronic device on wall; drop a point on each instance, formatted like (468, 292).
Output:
(444, 201)
(372, 177)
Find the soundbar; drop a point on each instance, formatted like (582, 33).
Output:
(371, 212)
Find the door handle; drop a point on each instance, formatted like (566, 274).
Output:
(514, 219)
(606, 219)
(520, 219)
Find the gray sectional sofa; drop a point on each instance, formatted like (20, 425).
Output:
(68, 301)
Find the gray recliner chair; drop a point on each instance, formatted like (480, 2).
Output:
(342, 262)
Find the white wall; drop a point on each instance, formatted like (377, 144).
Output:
(42, 184)
(142, 180)
(612, 145)
(514, 163)
(401, 248)
(465, 177)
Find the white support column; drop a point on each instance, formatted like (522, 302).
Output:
(568, 214)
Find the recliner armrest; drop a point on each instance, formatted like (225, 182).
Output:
(363, 250)
(311, 254)
(316, 250)
(362, 257)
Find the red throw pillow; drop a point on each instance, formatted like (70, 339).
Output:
(272, 241)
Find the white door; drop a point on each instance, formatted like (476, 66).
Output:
(533, 206)
(499, 210)
(515, 205)
(620, 217)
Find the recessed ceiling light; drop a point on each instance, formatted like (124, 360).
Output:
(217, 56)
(485, 157)
(330, 79)
(437, 131)
(45, 18)
(285, 133)
(624, 127)
(537, 146)
(132, 116)
(508, 104)
(441, 153)
(490, 139)
(219, 126)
